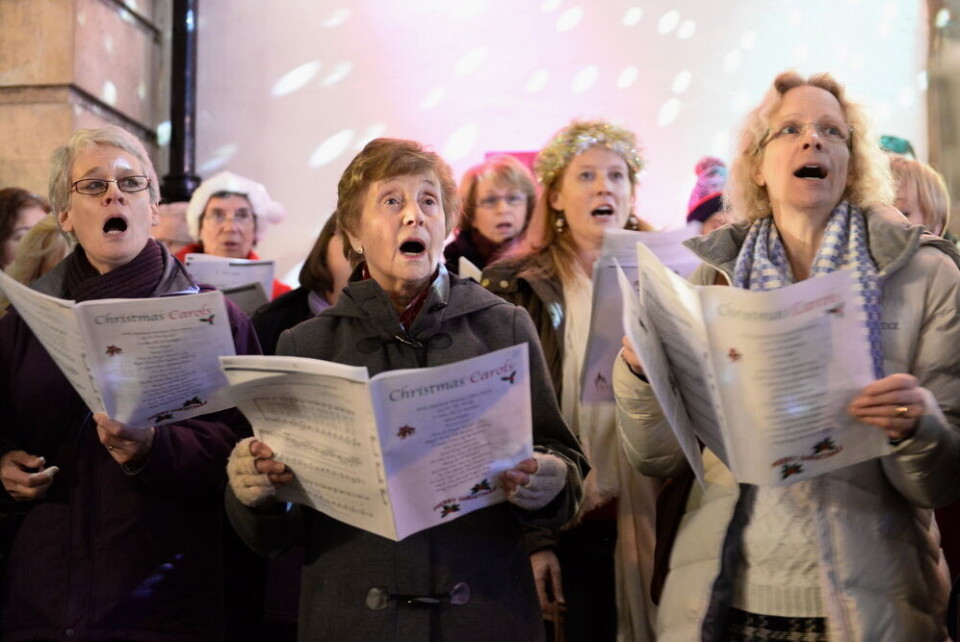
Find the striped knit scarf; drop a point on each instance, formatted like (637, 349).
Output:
(762, 264)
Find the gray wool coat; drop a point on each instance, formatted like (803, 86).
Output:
(483, 549)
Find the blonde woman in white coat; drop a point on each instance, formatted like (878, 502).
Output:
(853, 554)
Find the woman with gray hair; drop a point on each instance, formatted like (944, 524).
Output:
(120, 533)
(851, 554)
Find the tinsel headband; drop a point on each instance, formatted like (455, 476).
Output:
(578, 137)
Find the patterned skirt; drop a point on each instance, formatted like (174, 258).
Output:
(753, 627)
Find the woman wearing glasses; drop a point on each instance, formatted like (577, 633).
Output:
(228, 214)
(119, 534)
(498, 197)
(852, 554)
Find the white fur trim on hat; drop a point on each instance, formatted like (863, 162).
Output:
(265, 209)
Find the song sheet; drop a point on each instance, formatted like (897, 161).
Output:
(225, 273)
(761, 378)
(397, 453)
(606, 329)
(143, 362)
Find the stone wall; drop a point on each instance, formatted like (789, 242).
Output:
(67, 64)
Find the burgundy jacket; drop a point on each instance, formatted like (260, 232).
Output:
(110, 555)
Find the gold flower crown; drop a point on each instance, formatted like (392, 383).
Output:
(578, 137)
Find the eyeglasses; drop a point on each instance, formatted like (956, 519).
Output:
(240, 217)
(829, 132)
(97, 186)
(490, 202)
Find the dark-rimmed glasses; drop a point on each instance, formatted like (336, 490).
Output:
(97, 186)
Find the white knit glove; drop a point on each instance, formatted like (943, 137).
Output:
(544, 485)
(252, 488)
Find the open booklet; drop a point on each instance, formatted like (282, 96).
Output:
(225, 273)
(763, 379)
(606, 330)
(396, 453)
(143, 362)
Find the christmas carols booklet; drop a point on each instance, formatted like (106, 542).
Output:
(395, 453)
(763, 379)
(143, 362)
(619, 250)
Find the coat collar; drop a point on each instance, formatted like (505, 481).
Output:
(892, 239)
(364, 299)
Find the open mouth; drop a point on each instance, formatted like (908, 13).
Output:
(603, 210)
(115, 225)
(811, 171)
(412, 247)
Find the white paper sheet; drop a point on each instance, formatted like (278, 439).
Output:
(404, 451)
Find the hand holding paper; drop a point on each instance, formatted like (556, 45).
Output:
(253, 473)
(894, 403)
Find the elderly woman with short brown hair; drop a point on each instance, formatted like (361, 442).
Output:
(851, 554)
(401, 309)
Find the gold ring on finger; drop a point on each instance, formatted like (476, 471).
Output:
(902, 411)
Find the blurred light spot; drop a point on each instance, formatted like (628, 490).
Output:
(627, 77)
(81, 17)
(732, 61)
(549, 5)
(569, 19)
(741, 101)
(632, 16)
(460, 142)
(906, 97)
(142, 90)
(585, 79)
(890, 11)
(795, 17)
(433, 98)
(163, 133)
(855, 3)
(884, 29)
(668, 22)
(538, 80)
(942, 18)
(843, 55)
(218, 159)
(338, 73)
(669, 112)
(337, 18)
(109, 93)
(108, 43)
(922, 81)
(800, 54)
(881, 111)
(295, 79)
(126, 16)
(721, 144)
(686, 29)
(748, 39)
(466, 9)
(373, 131)
(471, 61)
(681, 82)
(330, 148)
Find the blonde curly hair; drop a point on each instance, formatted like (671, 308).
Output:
(869, 183)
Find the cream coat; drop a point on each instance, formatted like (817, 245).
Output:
(881, 572)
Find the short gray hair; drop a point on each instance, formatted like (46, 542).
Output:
(61, 165)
